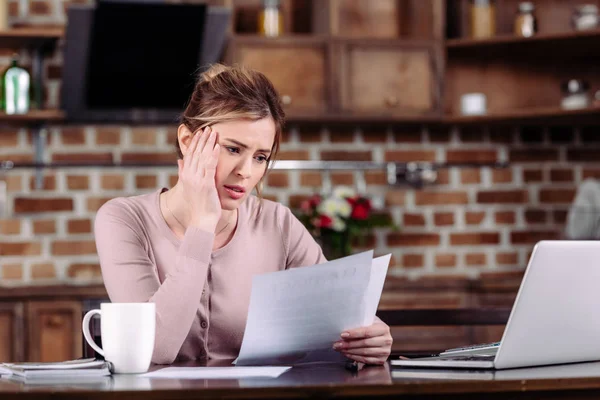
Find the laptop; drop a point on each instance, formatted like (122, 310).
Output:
(555, 318)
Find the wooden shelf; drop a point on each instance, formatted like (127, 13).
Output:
(33, 117)
(350, 118)
(566, 44)
(542, 115)
(29, 37)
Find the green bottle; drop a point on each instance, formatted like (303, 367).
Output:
(15, 88)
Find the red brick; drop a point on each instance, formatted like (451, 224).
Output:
(10, 226)
(582, 155)
(560, 216)
(313, 179)
(12, 272)
(13, 9)
(375, 178)
(532, 175)
(297, 199)
(477, 156)
(470, 134)
(414, 136)
(83, 158)
(73, 247)
(44, 226)
(443, 177)
(38, 205)
(72, 136)
(505, 217)
(149, 158)
(425, 197)
(460, 239)
(310, 135)
(77, 182)
(443, 218)
(20, 249)
(75, 226)
(445, 260)
(144, 136)
(13, 183)
(374, 135)
(48, 183)
(473, 259)
(43, 271)
(474, 217)
(94, 203)
(40, 8)
(439, 134)
(409, 155)
(414, 219)
(342, 178)
(341, 135)
(413, 239)
(9, 139)
(554, 196)
(532, 237)
(470, 175)
(146, 181)
(536, 216)
(591, 173)
(412, 260)
(112, 182)
(338, 155)
(173, 180)
(18, 158)
(84, 270)
(108, 135)
(533, 155)
(301, 155)
(504, 175)
(507, 258)
(562, 175)
(395, 197)
(503, 196)
(278, 179)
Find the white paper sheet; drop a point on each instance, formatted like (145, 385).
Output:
(216, 372)
(296, 315)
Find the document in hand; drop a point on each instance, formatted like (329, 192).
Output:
(296, 315)
(49, 370)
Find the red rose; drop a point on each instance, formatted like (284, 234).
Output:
(314, 201)
(360, 212)
(325, 222)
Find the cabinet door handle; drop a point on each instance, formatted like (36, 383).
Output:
(391, 101)
(54, 321)
(286, 99)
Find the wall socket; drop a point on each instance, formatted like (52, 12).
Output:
(3, 200)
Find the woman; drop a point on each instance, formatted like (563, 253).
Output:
(193, 249)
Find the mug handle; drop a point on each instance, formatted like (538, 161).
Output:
(85, 326)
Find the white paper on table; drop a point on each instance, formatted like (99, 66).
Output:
(296, 315)
(216, 372)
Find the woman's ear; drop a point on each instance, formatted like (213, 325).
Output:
(184, 135)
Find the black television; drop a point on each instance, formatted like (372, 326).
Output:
(137, 61)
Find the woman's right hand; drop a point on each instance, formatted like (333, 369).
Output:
(197, 174)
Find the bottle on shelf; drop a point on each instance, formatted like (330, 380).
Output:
(270, 21)
(15, 88)
(483, 19)
(526, 23)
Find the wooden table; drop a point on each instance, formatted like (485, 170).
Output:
(581, 381)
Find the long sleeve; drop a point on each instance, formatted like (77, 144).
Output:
(130, 275)
(301, 248)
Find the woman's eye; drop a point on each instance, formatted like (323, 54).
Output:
(261, 159)
(233, 149)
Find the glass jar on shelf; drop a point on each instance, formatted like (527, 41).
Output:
(525, 22)
(483, 18)
(585, 16)
(270, 19)
(575, 94)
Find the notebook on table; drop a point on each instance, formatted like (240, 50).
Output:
(553, 319)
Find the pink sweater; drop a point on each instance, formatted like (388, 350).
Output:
(201, 296)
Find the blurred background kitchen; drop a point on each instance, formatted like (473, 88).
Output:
(467, 128)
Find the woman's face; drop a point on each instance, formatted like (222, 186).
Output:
(245, 148)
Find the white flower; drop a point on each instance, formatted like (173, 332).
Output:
(335, 208)
(342, 192)
(338, 225)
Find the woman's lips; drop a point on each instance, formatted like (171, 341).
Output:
(234, 191)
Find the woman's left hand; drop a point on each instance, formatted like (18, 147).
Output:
(369, 345)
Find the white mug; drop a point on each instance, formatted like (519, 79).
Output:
(127, 331)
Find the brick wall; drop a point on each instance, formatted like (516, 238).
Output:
(472, 221)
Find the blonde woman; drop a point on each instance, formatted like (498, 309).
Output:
(193, 249)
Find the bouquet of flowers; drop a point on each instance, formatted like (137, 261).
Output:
(340, 219)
